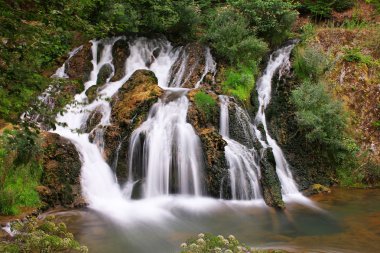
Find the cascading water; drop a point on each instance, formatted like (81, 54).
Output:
(171, 158)
(243, 168)
(172, 153)
(278, 60)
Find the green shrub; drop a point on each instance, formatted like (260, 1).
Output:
(239, 82)
(206, 104)
(355, 55)
(321, 117)
(228, 33)
(41, 236)
(271, 19)
(310, 63)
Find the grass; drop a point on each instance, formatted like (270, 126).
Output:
(355, 55)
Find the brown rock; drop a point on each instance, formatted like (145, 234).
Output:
(61, 172)
(192, 57)
(80, 66)
(130, 107)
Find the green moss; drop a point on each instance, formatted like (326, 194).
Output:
(239, 82)
(206, 104)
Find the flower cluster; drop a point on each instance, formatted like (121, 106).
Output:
(208, 243)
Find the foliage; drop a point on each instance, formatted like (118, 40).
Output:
(355, 55)
(228, 33)
(310, 63)
(206, 243)
(239, 82)
(308, 31)
(20, 170)
(206, 104)
(322, 9)
(271, 19)
(375, 3)
(319, 114)
(41, 236)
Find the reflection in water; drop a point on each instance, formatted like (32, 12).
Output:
(350, 223)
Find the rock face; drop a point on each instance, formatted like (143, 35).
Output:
(61, 173)
(216, 168)
(189, 67)
(307, 164)
(130, 107)
(120, 53)
(270, 183)
(80, 66)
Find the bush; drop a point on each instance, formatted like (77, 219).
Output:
(206, 104)
(272, 19)
(228, 33)
(320, 116)
(20, 171)
(239, 82)
(310, 63)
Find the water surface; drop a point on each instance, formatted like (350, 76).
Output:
(349, 222)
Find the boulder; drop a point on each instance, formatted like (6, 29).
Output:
(61, 172)
(120, 53)
(269, 181)
(80, 66)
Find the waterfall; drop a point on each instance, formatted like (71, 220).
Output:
(244, 170)
(171, 155)
(172, 158)
(277, 62)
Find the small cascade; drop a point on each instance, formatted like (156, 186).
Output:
(244, 170)
(167, 150)
(277, 62)
(61, 72)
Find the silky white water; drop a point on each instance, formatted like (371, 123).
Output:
(279, 61)
(244, 171)
(171, 158)
(170, 139)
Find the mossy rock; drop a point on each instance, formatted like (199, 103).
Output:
(130, 107)
(104, 73)
(270, 182)
(61, 172)
(120, 53)
(92, 93)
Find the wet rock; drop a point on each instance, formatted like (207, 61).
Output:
(317, 189)
(270, 183)
(216, 168)
(130, 107)
(61, 172)
(80, 66)
(93, 120)
(190, 62)
(120, 53)
(92, 93)
(104, 73)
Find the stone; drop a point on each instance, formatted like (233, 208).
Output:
(61, 172)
